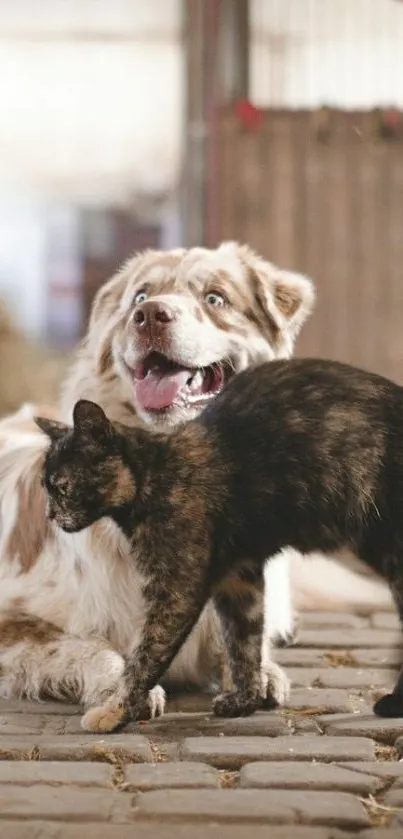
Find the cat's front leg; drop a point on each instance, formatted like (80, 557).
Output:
(175, 606)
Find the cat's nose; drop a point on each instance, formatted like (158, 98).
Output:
(153, 315)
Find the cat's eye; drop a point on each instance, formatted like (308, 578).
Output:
(59, 487)
(213, 298)
(140, 297)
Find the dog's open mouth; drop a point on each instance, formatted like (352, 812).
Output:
(160, 383)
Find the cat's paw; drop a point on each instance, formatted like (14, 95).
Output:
(276, 685)
(104, 718)
(236, 704)
(113, 713)
(390, 705)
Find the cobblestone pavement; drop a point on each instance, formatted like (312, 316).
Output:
(323, 767)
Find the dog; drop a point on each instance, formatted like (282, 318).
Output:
(164, 335)
(305, 453)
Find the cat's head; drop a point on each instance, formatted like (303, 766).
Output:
(84, 473)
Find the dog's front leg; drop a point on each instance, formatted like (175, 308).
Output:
(279, 618)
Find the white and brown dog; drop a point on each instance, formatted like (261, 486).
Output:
(164, 336)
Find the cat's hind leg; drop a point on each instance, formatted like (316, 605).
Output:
(391, 705)
(257, 679)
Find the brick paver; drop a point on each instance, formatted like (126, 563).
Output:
(346, 678)
(247, 805)
(394, 798)
(65, 804)
(385, 620)
(350, 637)
(233, 752)
(367, 725)
(171, 775)
(311, 776)
(323, 768)
(175, 830)
(69, 773)
(76, 747)
(392, 769)
(330, 700)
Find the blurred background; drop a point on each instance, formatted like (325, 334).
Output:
(130, 124)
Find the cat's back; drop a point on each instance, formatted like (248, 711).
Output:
(313, 399)
(307, 444)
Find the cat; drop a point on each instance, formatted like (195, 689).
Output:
(302, 453)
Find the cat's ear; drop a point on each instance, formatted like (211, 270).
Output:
(91, 421)
(52, 428)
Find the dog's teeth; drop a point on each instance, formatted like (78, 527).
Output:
(196, 381)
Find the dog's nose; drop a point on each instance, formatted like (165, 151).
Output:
(153, 314)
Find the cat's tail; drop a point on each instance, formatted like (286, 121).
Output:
(319, 583)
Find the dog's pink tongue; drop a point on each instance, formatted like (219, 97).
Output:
(159, 390)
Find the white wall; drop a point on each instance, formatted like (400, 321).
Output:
(343, 53)
(91, 102)
(91, 96)
(23, 259)
(91, 91)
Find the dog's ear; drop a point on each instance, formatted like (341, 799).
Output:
(104, 311)
(294, 298)
(90, 421)
(106, 302)
(52, 428)
(286, 298)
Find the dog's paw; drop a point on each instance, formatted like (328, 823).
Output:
(236, 704)
(276, 685)
(104, 718)
(156, 701)
(390, 705)
(289, 639)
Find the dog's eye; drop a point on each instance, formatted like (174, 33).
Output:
(214, 299)
(140, 297)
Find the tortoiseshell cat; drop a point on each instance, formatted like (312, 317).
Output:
(299, 453)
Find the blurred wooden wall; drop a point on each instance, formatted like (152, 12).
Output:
(322, 193)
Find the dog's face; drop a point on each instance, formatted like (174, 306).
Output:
(84, 475)
(175, 326)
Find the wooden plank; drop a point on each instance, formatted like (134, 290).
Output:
(393, 332)
(226, 174)
(332, 208)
